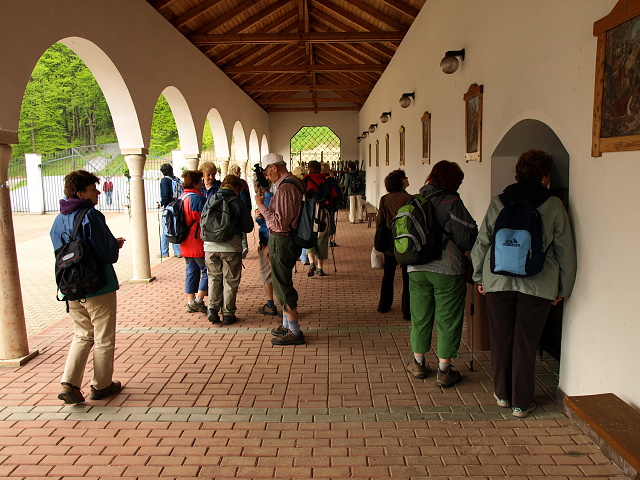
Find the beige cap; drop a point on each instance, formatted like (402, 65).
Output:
(270, 158)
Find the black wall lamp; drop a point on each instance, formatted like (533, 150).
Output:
(359, 139)
(405, 100)
(372, 127)
(450, 63)
(384, 118)
(365, 134)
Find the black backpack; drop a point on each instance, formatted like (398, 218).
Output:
(79, 272)
(174, 225)
(217, 223)
(516, 248)
(357, 185)
(314, 216)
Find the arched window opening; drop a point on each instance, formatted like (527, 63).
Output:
(318, 143)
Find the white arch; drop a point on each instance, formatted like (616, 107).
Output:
(240, 141)
(264, 146)
(189, 144)
(219, 133)
(114, 89)
(254, 148)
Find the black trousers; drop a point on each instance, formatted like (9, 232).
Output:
(386, 289)
(516, 321)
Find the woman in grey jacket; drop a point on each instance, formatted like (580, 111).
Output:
(437, 289)
(517, 307)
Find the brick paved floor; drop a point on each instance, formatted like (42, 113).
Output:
(204, 401)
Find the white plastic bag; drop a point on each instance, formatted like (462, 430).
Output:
(377, 259)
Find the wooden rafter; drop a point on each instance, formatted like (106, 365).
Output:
(379, 16)
(312, 100)
(195, 12)
(306, 88)
(305, 68)
(403, 7)
(311, 37)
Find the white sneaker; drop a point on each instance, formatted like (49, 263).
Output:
(523, 412)
(502, 402)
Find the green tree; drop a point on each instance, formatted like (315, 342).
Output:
(164, 133)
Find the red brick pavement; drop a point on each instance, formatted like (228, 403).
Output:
(203, 401)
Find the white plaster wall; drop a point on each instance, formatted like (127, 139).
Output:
(536, 60)
(283, 126)
(149, 53)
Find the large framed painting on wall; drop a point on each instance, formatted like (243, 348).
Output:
(369, 154)
(473, 123)
(616, 105)
(402, 146)
(386, 155)
(426, 137)
(377, 153)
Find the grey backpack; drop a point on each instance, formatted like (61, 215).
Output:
(218, 223)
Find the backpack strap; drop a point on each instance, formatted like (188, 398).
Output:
(78, 223)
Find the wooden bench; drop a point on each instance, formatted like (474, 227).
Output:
(614, 421)
(369, 213)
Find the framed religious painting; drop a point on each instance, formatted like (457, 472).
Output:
(616, 104)
(402, 146)
(473, 123)
(386, 154)
(377, 153)
(426, 137)
(369, 154)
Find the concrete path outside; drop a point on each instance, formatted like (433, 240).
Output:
(203, 401)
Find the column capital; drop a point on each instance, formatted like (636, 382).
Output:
(9, 137)
(134, 151)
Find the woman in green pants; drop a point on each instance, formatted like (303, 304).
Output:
(437, 288)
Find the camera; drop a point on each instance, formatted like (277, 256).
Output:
(262, 180)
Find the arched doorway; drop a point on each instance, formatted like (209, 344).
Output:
(318, 143)
(526, 135)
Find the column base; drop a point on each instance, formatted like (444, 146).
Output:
(142, 280)
(18, 362)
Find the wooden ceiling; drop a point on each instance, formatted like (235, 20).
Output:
(296, 55)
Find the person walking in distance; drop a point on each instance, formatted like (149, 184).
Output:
(282, 217)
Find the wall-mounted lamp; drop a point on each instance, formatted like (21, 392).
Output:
(365, 134)
(359, 139)
(405, 100)
(384, 118)
(449, 63)
(372, 127)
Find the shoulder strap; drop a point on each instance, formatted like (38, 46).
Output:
(298, 184)
(78, 222)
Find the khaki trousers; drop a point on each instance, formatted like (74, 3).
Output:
(94, 323)
(224, 270)
(355, 208)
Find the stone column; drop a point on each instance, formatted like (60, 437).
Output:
(223, 165)
(136, 159)
(192, 160)
(243, 168)
(14, 346)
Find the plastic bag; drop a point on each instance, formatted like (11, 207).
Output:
(377, 259)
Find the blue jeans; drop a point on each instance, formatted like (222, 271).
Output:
(196, 278)
(164, 246)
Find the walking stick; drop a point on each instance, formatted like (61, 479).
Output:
(471, 312)
(160, 235)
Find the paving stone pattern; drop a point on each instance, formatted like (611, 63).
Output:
(203, 401)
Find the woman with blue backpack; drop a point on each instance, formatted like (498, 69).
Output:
(524, 261)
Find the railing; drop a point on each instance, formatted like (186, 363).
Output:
(18, 186)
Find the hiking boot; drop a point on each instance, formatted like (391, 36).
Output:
(196, 307)
(288, 339)
(212, 316)
(523, 412)
(267, 310)
(115, 387)
(312, 270)
(320, 272)
(229, 319)
(70, 394)
(279, 331)
(502, 402)
(448, 377)
(160, 255)
(418, 370)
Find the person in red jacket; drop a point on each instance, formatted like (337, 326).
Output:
(192, 249)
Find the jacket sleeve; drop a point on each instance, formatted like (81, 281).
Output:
(483, 242)
(565, 252)
(165, 191)
(462, 226)
(96, 232)
(380, 218)
(246, 222)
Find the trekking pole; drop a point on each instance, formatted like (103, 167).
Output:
(471, 312)
(160, 235)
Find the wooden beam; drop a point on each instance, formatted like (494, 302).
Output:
(306, 88)
(312, 109)
(222, 19)
(311, 37)
(312, 100)
(341, 12)
(403, 7)
(194, 13)
(160, 4)
(381, 17)
(357, 67)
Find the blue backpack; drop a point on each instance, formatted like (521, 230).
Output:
(517, 249)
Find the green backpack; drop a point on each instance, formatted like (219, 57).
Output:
(417, 237)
